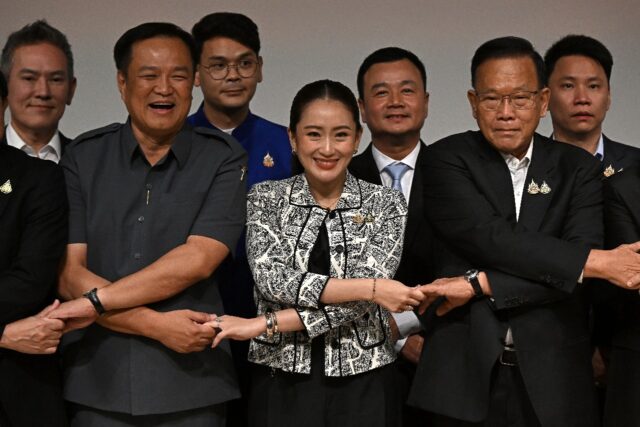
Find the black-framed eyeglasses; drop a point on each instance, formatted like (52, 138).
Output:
(245, 68)
(521, 100)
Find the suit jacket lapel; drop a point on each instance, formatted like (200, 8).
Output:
(416, 200)
(541, 170)
(6, 173)
(364, 167)
(493, 175)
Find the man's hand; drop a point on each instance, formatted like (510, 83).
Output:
(620, 266)
(184, 331)
(412, 348)
(78, 313)
(456, 291)
(35, 334)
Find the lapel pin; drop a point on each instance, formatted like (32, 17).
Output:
(609, 171)
(369, 218)
(544, 188)
(267, 161)
(6, 187)
(243, 171)
(358, 218)
(533, 188)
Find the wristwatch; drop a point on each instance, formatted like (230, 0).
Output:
(92, 296)
(472, 276)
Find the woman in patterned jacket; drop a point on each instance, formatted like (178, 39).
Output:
(322, 246)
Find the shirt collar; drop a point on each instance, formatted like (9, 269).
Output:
(349, 199)
(16, 141)
(382, 160)
(181, 147)
(513, 162)
(599, 154)
(600, 150)
(199, 119)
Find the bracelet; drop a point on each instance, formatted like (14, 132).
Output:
(270, 326)
(92, 296)
(373, 290)
(274, 317)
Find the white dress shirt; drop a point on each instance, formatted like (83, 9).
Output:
(407, 321)
(518, 169)
(52, 151)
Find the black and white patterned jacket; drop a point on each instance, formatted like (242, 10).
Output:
(365, 232)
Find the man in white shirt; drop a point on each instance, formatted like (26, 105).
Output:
(38, 65)
(394, 104)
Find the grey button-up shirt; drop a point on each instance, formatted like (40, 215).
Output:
(129, 214)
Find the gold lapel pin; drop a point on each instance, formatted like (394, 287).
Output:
(544, 188)
(533, 188)
(609, 171)
(369, 218)
(358, 218)
(267, 161)
(6, 187)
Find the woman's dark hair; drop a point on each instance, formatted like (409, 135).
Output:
(321, 89)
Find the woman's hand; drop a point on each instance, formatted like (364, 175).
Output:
(395, 296)
(236, 328)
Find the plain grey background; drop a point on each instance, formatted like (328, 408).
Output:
(306, 40)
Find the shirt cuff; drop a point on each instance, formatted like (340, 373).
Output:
(407, 323)
(399, 344)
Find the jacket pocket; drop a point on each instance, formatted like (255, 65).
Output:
(370, 329)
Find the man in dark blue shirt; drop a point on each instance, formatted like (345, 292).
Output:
(229, 70)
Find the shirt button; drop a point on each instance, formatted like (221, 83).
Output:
(339, 249)
(332, 214)
(140, 219)
(148, 186)
(137, 255)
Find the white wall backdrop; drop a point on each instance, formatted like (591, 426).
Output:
(307, 40)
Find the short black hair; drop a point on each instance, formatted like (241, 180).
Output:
(574, 44)
(508, 47)
(124, 46)
(4, 91)
(389, 54)
(35, 33)
(234, 26)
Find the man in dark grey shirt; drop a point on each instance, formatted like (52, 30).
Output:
(155, 206)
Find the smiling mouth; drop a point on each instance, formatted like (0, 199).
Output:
(162, 106)
(326, 163)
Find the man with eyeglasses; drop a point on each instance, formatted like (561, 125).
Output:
(229, 70)
(520, 217)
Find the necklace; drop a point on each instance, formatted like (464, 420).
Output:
(330, 206)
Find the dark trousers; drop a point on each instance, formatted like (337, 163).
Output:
(622, 407)
(210, 416)
(281, 399)
(509, 404)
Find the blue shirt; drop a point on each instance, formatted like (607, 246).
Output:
(266, 143)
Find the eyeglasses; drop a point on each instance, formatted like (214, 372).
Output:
(521, 100)
(220, 70)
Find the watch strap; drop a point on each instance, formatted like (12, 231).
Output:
(92, 296)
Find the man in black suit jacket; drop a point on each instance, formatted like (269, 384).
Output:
(511, 346)
(33, 230)
(622, 225)
(38, 65)
(394, 103)
(578, 70)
